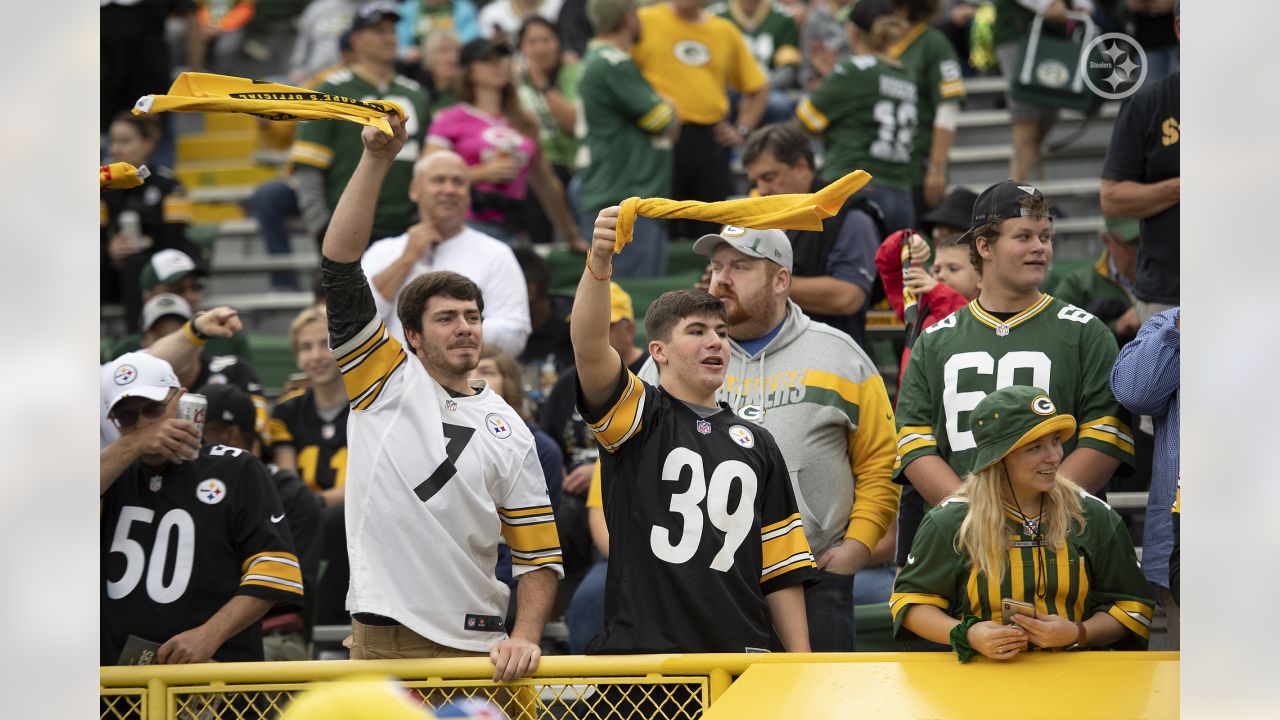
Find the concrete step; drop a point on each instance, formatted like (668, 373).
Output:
(982, 165)
(261, 263)
(991, 126)
(211, 212)
(1073, 197)
(224, 172)
(222, 193)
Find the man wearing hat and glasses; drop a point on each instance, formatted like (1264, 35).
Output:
(193, 550)
(325, 154)
(820, 395)
(1011, 334)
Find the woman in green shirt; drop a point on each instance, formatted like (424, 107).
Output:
(549, 90)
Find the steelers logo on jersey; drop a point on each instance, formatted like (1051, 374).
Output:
(742, 436)
(211, 491)
(125, 374)
(498, 427)
(692, 53)
(1042, 405)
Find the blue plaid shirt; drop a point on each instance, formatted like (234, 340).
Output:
(1145, 380)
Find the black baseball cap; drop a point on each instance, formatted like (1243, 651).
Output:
(1000, 202)
(483, 49)
(866, 12)
(231, 405)
(371, 14)
(955, 210)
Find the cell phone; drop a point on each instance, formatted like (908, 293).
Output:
(1010, 607)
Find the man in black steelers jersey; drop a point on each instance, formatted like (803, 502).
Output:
(707, 545)
(192, 551)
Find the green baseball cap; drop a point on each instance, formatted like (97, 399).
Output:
(1012, 417)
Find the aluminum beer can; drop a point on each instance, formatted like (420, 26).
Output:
(194, 407)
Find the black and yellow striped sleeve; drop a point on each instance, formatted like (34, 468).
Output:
(278, 425)
(366, 353)
(783, 549)
(276, 570)
(531, 534)
(622, 416)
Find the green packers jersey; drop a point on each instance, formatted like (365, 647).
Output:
(1095, 570)
(771, 35)
(866, 111)
(619, 125)
(335, 147)
(958, 360)
(929, 58)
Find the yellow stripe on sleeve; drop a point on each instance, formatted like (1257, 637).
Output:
(623, 419)
(951, 89)
(366, 368)
(532, 538)
(1134, 616)
(177, 209)
(279, 431)
(658, 117)
(783, 548)
(899, 602)
(1109, 430)
(276, 570)
(309, 153)
(811, 117)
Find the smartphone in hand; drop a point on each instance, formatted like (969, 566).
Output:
(1010, 607)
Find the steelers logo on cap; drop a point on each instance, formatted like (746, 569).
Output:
(1042, 405)
(125, 374)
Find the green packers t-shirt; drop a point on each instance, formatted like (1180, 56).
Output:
(770, 33)
(335, 147)
(867, 112)
(620, 123)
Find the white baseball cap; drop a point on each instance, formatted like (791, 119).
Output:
(136, 374)
(764, 244)
(163, 305)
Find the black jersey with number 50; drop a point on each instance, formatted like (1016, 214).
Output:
(703, 523)
(177, 544)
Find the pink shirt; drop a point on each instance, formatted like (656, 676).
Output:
(479, 137)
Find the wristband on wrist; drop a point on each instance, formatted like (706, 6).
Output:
(194, 336)
(1082, 637)
(960, 638)
(608, 273)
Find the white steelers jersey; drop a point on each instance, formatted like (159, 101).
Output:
(433, 483)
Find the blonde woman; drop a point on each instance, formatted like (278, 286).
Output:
(1020, 531)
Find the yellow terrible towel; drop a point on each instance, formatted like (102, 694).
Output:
(206, 92)
(121, 176)
(781, 212)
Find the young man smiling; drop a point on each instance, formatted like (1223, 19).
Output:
(707, 543)
(1012, 334)
(437, 466)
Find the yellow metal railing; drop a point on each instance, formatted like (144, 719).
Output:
(649, 687)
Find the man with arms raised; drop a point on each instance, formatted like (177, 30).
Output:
(435, 466)
(1012, 334)
(706, 540)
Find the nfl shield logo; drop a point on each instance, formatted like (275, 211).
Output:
(1002, 331)
(156, 480)
(451, 405)
(704, 427)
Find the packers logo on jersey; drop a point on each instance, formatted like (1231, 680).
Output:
(1042, 405)
(692, 53)
(211, 491)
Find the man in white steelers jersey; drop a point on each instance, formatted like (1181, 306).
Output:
(437, 467)
(1011, 334)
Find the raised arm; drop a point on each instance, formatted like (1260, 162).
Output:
(598, 364)
(352, 221)
(179, 348)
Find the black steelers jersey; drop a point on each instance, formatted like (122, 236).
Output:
(703, 524)
(178, 544)
(321, 447)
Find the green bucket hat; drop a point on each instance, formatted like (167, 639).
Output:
(1012, 417)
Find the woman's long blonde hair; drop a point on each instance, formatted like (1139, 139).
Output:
(983, 536)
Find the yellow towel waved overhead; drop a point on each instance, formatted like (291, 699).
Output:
(206, 92)
(780, 212)
(121, 176)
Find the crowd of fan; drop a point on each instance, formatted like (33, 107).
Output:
(525, 120)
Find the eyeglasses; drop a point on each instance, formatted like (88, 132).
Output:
(128, 418)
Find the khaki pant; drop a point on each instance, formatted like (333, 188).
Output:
(284, 646)
(383, 642)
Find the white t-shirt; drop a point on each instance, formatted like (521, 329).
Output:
(488, 262)
(433, 483)
(500, 13)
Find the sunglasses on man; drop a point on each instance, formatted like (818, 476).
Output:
(127, 418)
